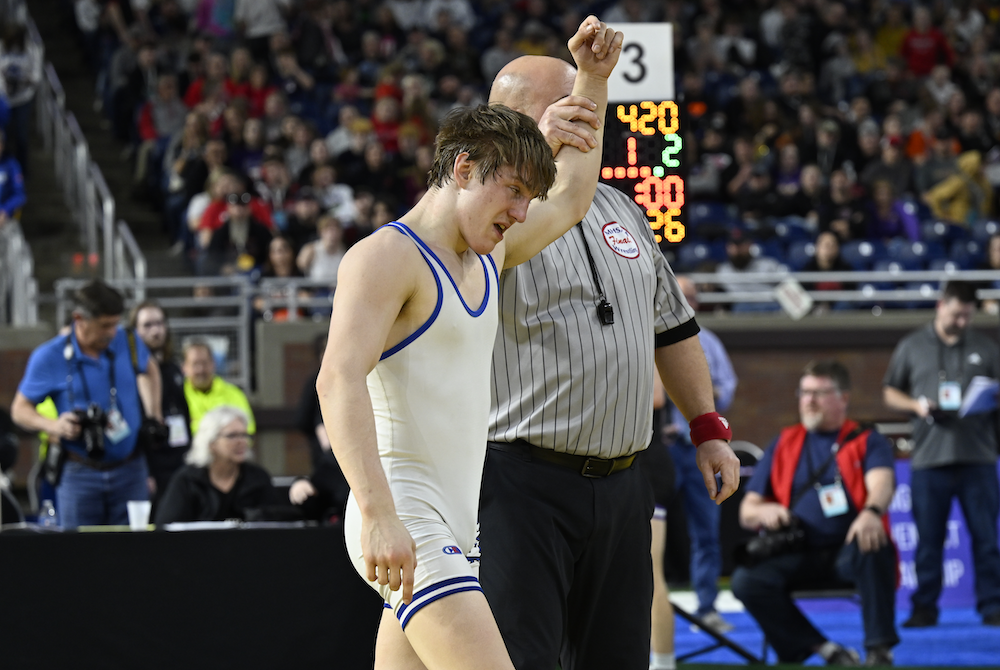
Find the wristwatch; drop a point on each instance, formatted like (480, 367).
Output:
(874, 508)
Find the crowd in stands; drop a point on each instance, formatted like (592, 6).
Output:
(20, 75)
(878, 121)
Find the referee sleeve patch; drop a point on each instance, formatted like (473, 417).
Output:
(682, 332)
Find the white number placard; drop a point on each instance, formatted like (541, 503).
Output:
(645, 69)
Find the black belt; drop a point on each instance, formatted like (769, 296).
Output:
(588, 466)
(102, 466)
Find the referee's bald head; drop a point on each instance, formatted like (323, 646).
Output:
(529, 84)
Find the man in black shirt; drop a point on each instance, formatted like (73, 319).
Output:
(164, 457)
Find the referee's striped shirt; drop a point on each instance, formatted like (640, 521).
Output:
(561, 379)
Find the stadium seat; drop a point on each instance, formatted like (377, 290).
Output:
(967, 253)
(983, 229)
(946, 265)
(892, 267)
(714, 215)
(869, 288)
(932, 230)
(926, 288)
(773, 248)
(692, 253)
(799, 253)
(915, 255)
(790, 229)
(862, 254)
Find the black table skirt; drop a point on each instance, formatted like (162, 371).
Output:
(218, 599)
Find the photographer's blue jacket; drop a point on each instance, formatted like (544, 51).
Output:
(51, 373)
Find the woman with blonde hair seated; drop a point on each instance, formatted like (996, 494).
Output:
(217, 483)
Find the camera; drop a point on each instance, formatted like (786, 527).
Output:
(770, 543)
(92, 423)
(153, 435)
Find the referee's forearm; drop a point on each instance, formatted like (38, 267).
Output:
(684, 373)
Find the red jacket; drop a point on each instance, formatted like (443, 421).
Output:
(850, 461)
(922, 51)
(216, 214)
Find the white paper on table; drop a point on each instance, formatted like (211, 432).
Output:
(202, 525)
(981, 396)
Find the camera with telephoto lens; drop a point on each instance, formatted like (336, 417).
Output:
(92, 422)
(786, 540)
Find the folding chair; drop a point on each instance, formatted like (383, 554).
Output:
(720, 640)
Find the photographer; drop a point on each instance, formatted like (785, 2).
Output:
(90, 375)
(832, 481)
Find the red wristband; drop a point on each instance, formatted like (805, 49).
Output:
(709, 426)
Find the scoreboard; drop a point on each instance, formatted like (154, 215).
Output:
(642, 141)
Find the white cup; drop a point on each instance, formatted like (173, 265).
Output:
(138, 514)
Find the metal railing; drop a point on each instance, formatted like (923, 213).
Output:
(293, 298)
(222, 309)
(84, 187)
(18, 287)
(902, 288)
(129, 261)
(216, 309)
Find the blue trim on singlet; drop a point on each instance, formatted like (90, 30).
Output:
(440, 299)
(496, 273)
(427, 595)
(486, 295)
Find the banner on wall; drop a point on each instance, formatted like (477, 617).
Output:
(958, 570)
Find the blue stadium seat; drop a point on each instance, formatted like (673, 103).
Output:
(867, 288)
(792, 229)
(691, 253)
(772, 247)
(967, 253)
(915, 255)
(862, 254)
(932, 230)
(891, 266)
(983, 229)
(926, 288)
(799, 253)
(945, 265)
(711, 213)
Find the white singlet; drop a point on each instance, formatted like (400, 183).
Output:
(431, 399)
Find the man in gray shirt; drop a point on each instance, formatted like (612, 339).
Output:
(928, 374)
(565, 511)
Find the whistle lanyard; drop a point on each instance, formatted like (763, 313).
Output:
(593, 266)
(816, 475)
(942, 372)
(69, 354)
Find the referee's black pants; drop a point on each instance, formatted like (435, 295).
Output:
(565, 563)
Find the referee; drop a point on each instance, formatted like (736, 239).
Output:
(565, 511)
